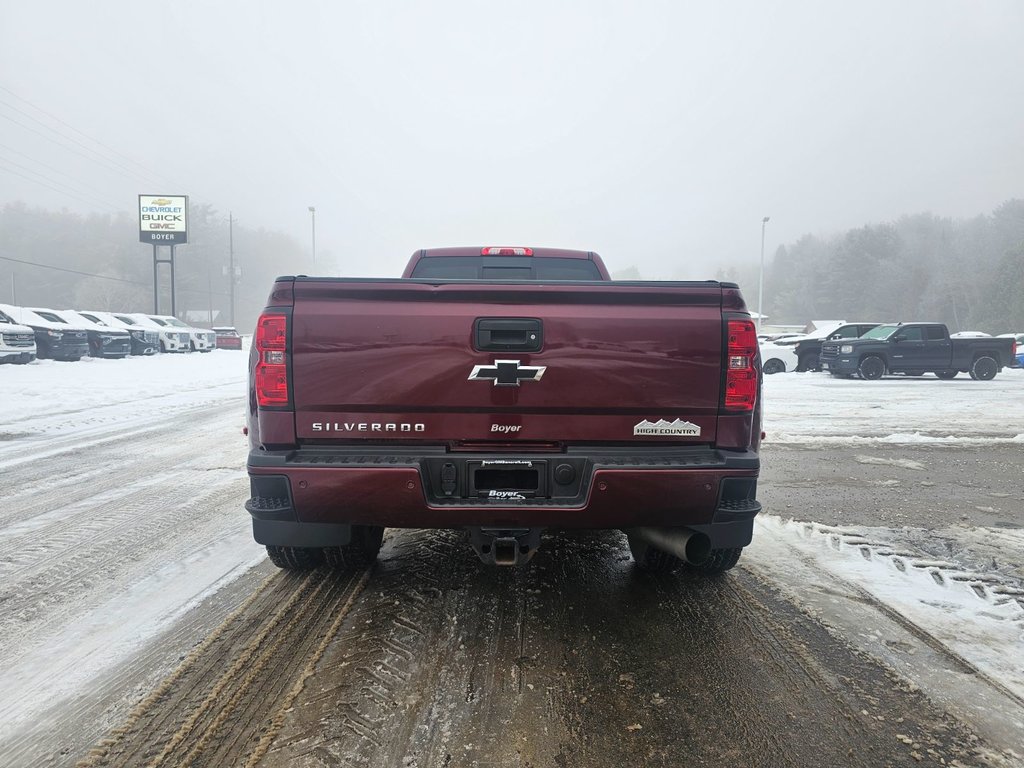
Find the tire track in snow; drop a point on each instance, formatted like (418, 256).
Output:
(222, 703)
(953, 632)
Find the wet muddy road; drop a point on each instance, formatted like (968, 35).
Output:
(137, 631)
(579, 659)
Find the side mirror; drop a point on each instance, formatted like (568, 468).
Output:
(897, 339)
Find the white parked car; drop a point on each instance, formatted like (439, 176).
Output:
(200, 339)
(171, 339)
(778, 358)
(17, 342)
(970, 335)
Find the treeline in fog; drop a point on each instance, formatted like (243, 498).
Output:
(967, 273)
(100, 264)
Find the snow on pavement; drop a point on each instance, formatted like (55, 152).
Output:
(817, 409)
(48, 408)
(977, 615)
(138, 519)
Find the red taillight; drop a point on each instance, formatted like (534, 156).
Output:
(506, 251)
(741, 376)
(271, 376)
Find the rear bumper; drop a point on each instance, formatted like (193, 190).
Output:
(306, 496)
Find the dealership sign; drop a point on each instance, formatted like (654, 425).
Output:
(163, 219)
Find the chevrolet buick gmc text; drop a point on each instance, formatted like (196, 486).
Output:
(504, 391)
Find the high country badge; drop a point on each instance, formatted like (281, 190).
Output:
(666, 428)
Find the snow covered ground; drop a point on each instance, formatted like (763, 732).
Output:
(814, 408)
(50, 409)
(47, 398)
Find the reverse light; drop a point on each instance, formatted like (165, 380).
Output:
(740, 375)
(271, 374)
(501, 250)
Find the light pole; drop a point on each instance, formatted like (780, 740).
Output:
(312, 212)
(760, 286)
(231, 264)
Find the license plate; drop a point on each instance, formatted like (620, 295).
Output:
(824, 366)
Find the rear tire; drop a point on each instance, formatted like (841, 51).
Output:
(295, 558)
(871, 368)
(984, 368)
(361, 552)
(773, 366)
(720, 561)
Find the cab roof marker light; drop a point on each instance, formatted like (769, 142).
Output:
(504, 250)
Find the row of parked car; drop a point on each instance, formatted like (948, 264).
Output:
(803, 351)
(66, 334)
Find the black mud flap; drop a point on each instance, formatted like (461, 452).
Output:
(505, 546)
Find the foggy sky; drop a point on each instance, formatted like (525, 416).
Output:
(656, 133)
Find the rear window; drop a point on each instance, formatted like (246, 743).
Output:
(505, 268)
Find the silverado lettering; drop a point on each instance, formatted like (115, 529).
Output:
(367, 427)
(648, 419)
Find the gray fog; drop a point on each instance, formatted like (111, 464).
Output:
(657, 133)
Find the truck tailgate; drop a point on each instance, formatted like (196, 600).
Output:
(388, 360)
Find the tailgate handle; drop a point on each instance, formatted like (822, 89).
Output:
(508, 334)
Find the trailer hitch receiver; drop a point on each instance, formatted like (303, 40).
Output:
(505, 546)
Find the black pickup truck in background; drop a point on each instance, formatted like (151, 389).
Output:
(915, 349)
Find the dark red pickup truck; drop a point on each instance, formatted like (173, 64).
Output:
(504, 391)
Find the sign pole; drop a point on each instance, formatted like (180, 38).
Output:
(174, 311)
(156, 284)
(231, 263)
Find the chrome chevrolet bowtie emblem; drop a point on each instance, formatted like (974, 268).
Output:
(507, 373)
